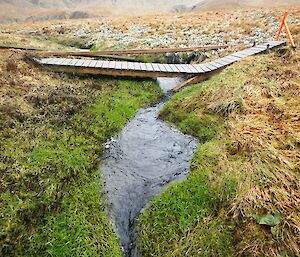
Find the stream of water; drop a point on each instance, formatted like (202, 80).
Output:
(139, 164)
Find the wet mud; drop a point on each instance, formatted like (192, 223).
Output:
(140, 163)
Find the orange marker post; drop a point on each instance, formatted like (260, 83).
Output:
(288, 32)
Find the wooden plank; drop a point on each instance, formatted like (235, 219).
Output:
(137, 66)
(118, 66)
(79, 63)
(211, 67)
(112, 65)
(199, 68)
(149, 67)
(106, 64)
(124, 65)
(99, 64)
(86, 63)
(162, 67)
(188, 68)
(216, 65)
(156, 67)
(171, 68)
(95, 63)
(204, 67)
(168, 68)
(46, 60)
(58, 61)
(229, 60)
(233, 58)
(181, 68)
(92, 63)
(143, 66)
(174, 68)
(73, 62)
(222, 62)
(193, 69)
(130, 66)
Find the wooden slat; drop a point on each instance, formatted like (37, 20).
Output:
(73, 62)
(174, 67)
(143, 66)
(199, 68)
(86, 63)
(225, 60)
(106, 64)
(181, 68)
(222, 62)
(99, 64)
(216, 65)
(79, 63)
(168, 68)
(233, 58)
(149, 67)
(112, 65)
(118, 65)
(195, 70)
(137, 66)
(204, 67)
(95, 63)
(92, 63)
(46, 61)
(188, 68)
(162, 67)
(211, 67)
(156, 67)
(130, 66)
(124, 65)
(58, 61)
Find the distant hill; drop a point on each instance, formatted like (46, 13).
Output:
(33, 10)
(206, 5)
(16, 10)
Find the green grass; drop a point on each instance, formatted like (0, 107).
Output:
(189, 218)
(51, 202)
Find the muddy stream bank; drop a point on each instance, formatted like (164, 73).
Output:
(139, 164)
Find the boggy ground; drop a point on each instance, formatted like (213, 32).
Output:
(154, 31)
(242, 197)
(52, 131)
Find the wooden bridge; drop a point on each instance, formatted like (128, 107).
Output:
(150, 70)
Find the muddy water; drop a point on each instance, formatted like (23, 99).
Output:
(140, 163)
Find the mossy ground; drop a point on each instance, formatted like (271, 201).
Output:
(242, 196)
(52, 130)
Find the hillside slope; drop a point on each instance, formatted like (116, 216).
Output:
(20, 10)
(228, 4)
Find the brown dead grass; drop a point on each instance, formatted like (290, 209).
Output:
(267, 133)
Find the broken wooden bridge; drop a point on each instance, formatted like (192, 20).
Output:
(151, 70)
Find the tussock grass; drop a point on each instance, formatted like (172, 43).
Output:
(242, 197)
(52, 129)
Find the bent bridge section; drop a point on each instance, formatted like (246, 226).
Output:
(151, 70)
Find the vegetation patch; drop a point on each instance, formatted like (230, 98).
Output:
(242, 196)
(52, 131)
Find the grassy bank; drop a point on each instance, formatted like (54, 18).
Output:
(242, 196)
(52, 130)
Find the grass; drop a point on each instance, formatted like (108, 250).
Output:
(52, 132)
(241, 198)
